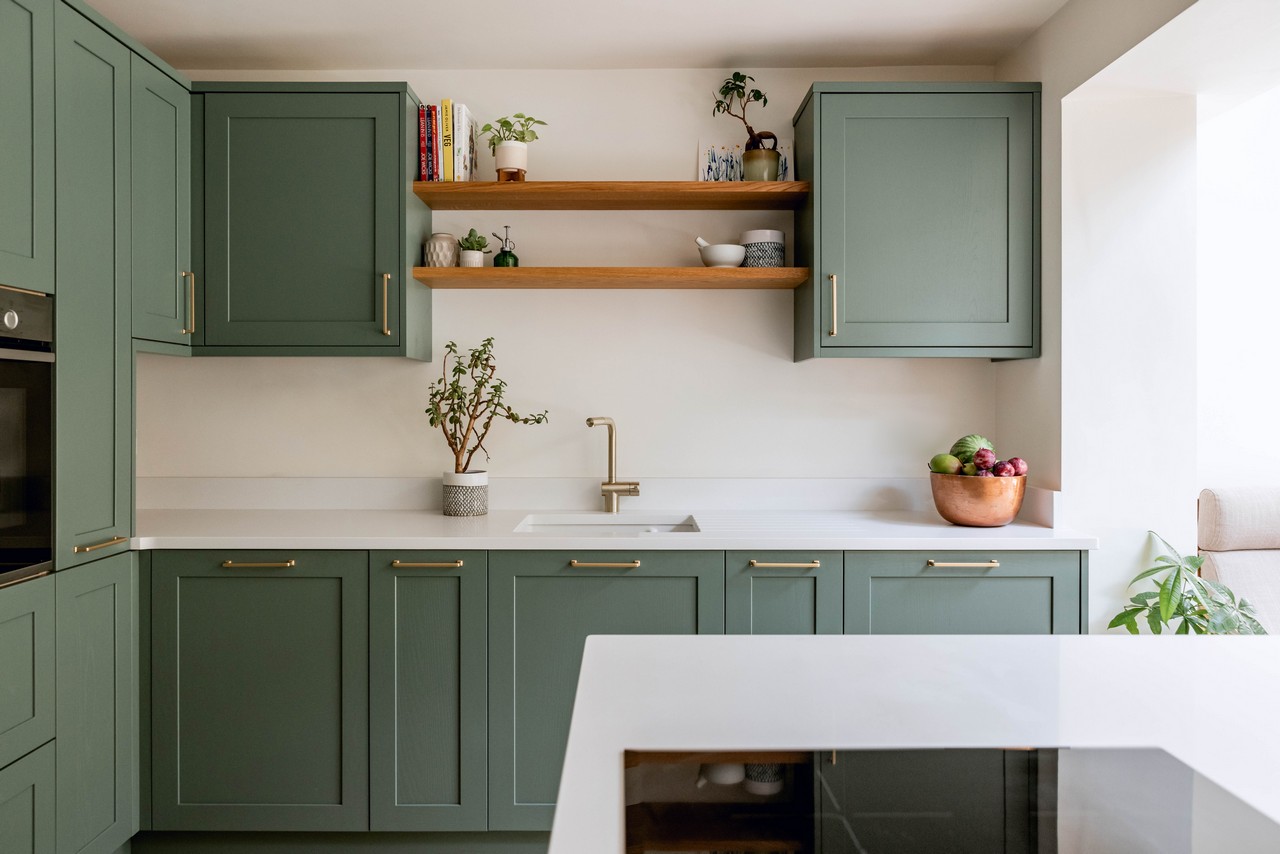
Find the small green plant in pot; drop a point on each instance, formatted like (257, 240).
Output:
(473, 248)
(509, 139)
(758, 163)
(1198, 605)
(463, 404)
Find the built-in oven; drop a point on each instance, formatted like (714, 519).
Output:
(26, 435)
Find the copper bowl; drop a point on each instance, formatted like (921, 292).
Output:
(977, 502)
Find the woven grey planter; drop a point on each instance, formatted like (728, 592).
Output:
(466, 494)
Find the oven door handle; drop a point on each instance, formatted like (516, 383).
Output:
(10, 354)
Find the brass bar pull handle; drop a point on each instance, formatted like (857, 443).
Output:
(633, 564)
(986, 564)
(284, 564)
(386, 318)
(22, 291)
(31, 577)
(447, 564)
(813, 564)
(834, 297)
(191, 302)
(114, 541)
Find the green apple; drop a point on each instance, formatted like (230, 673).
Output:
(944, 464)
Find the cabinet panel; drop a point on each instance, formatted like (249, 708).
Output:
(428, 688)
(26, 667)
(783, 594)
(93, 374)
(96, 688)
(27, 823)
(541, 610)
(260, 691)
(26, 138)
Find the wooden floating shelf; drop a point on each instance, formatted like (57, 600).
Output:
(617, 278)
(633, 758)
(612, 195)
(712, 827)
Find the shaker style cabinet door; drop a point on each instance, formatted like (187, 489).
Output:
(26, 142)
(303, 207)
(26, 667)
(27, 804)
(784, 593)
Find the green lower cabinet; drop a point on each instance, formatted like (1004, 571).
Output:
(26, 667)
(260, 690)
(97, 741)
(993, 593)
(427, 691)
(542, 607)
(27, 823)
(784, 593)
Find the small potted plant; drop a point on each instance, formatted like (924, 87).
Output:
(473, 248)
(463, 404)
(509, 140)
(758, 163)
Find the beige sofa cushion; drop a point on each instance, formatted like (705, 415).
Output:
(1240, 518)
(1253, 575)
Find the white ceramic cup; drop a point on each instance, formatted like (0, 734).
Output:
(722, 774)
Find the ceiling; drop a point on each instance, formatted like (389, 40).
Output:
(500, 34)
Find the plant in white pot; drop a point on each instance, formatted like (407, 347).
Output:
(472, 249)
(509, 140)
(464, 403)
(758, 163)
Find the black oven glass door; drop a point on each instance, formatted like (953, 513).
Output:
(26, 462)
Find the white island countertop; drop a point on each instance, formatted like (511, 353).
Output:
(717, 530)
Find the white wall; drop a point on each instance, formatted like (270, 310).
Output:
(701, 383)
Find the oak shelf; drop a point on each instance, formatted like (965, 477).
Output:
(619, 278)
(712, 827)
(612, 195)
(634, 758)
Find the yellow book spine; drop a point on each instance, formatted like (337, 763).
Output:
(446, 138)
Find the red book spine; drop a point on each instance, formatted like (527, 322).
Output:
(435, 138)
(423, 172)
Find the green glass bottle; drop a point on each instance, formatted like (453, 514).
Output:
(507, 257)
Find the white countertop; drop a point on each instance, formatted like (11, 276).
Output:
(425, 529)
(1211, 702)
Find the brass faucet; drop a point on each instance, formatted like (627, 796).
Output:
(612, 488)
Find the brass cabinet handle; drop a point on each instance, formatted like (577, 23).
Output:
(22, 291)
(813, 564)
(834, 288)
(986, 564)
(386, 320)
(191, 302)
(284, 564)
(447, 564)
(41, 574)
(634, 564)
(114, 541)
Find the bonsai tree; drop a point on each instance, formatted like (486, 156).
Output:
(467, 398)
(734, 91)
(517, 128)
(1200, 606)
(475, 242)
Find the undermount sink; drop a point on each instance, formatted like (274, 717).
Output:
(607, 524)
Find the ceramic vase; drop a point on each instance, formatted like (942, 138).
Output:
(760, 164)
(512, 160)
(470, 258)
(466, 493)
(441, 250)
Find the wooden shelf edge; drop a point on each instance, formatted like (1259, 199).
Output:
(613, 195)
(633, 758)
(706, 826)
(613, 278)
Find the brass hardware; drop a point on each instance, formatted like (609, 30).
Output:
(613, 488)
(114, 541)
(22, 291)
(30, 577)
(284, 564)
(635, 564)
(834, 288)
(988, 564)
(386, 320)
(448, 564)
(813, 564)
(833, 757)
(191, 302)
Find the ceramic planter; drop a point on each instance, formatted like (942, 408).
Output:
(760, 165)
(441, 250)
(512, 160)
(466, 494)
(471, 258)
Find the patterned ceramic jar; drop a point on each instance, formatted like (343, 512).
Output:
(764, 248)
(466, 494)
(441, 250)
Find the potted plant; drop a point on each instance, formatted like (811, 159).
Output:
(463, 404)
(1200, 606)
(473, 248)
(509, 140)
(758, 163)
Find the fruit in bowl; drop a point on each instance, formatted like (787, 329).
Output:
(973, 487)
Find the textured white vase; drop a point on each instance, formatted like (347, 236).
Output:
(511, 155)
(471, 258)
(466, 494)
(441, 250)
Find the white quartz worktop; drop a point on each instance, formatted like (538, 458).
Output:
(424, 529)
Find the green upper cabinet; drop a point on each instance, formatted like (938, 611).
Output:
(783, 593)
(26, 667)
(93, 376)
(307, 234)
(163, 287)
(26, 141)
(542, 607)
(923, 227)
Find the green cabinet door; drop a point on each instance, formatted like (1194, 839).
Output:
(26, 140)
(963, 593)
(784, 593)
(27, 823)
(303, 219)
(26, 667)
(542, 607)
(160, 111)
(259, 690)
(93, 376)
(427, 691)
(97, 741)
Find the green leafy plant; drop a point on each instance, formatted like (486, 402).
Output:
(475, 242)
(734, 91)
(516, 128)
(1200, 606)
(467, 398)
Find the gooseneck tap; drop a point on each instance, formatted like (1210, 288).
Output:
(612, 488)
